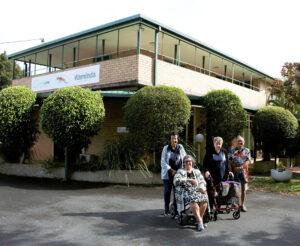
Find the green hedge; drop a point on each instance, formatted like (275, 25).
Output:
(274, 128)
(225, 117)
(154, 112)
(70, 116)
(18, 129)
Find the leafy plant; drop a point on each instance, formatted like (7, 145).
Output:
(50, 164)
(280, 166)
(71, 116)
(121, 154)
(225, 117)
(274, 128)
(18, 127)
(6, 71)
(153, 113)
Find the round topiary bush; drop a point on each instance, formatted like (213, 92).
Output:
(154, 112)
(225, 117)
(70, 116)
(274, 128)
(18, 128)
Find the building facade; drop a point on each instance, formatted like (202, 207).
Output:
(120, 57)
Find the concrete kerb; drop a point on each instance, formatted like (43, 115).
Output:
(104, 176)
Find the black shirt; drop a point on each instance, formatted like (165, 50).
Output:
(217, 164)
(175, 161)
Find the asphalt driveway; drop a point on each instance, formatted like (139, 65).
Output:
(41, 212)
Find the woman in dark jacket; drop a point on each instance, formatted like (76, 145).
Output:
(216, 164)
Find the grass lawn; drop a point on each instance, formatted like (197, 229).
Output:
(268, 184)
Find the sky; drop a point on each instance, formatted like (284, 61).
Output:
(261, 33)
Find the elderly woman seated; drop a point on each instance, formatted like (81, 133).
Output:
(190, 183)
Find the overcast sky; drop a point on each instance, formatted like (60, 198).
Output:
(264, 34)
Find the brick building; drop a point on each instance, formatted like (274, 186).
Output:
(120, 57)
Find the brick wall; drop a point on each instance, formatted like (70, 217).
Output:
(145, 70)
(43, 148)
(123, 69)
(113, 118)
(22, 82)
(197, 83)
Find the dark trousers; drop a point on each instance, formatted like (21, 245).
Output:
(168, 185)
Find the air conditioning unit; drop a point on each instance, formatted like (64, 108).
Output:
(84, 158)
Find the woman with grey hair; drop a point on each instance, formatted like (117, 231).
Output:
(191, 184)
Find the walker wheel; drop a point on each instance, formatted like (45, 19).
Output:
(215, 215)
(236, 214)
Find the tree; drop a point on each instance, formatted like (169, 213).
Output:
(18, 128)
(287, 91)
(153, 113)
(274, 129)
(225, 117)
(6, 71)
(71, 116)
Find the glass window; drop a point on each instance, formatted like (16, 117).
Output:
(107, 45)
(87, 50)
(217, 67)
(170, 49)
(29, 65)
(187, 55)
(147, 40)
(41, 61)
(202, 60)
(70, 54)
(55, 60)
(128, 40)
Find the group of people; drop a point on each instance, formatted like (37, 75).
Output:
(177, 169)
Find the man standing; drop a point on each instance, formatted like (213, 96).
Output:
(240, 159)
(171, 160)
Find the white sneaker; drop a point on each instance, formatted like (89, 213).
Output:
(200, 227)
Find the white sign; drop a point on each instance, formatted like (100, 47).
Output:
(122, 129)
(81, 76)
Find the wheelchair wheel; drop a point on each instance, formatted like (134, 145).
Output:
(179, 219)
(236, 214)
(172, 211)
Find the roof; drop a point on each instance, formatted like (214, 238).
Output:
(127, 94)
(128, 20)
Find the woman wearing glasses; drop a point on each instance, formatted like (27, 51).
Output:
(194, 185)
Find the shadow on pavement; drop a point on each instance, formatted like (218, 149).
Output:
(25, 237)
(151, 226)
(46, 184)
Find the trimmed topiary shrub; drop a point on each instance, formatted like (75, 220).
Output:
(274, 128)
(153, 113)
(18, 128)
(71, 116)
(225, 117)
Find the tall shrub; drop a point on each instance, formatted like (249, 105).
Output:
(18, 129)
(225, 116)
(154, 112)
(274, 128)
(71, 116)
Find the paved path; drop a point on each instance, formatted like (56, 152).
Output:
(49, 213)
